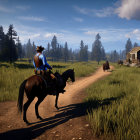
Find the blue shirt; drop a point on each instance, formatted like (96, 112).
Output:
(44, 61)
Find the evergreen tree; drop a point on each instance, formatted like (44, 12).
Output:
(86, 53)
(54, 48)
(81, 52)
(2, 36)
(66, 52)
(19, 48)
(135, 44)
(96, 53)
(12, 47)
(29, 51)
(114, 56)
(128, 46)
(103, 54)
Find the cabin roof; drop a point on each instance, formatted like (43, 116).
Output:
(135, 49)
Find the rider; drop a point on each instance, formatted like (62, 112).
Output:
(41, 65)
(40, 62)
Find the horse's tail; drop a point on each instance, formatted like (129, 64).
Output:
(20, 97)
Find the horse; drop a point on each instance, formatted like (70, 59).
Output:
(36, 86)
(106, 66)
(120, 62)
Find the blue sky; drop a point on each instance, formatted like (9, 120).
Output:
(73, 21)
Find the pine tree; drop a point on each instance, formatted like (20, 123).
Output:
(135, 44)
(54, 46)
(128, 46)
(29, 51)
(103, 54)
(66, 52)
(19, 48)
(12, 47)
(2, 36)
(96, 53)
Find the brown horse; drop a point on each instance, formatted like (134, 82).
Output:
(106, 66)
(36, 86)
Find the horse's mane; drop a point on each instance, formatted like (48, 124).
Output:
(66, 72)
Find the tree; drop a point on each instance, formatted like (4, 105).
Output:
(54, 46)
(103, 55)
(66, 52)
(29, 51)
(19, 48)
(135, 44)
(96, 49)
(114, 56)
(128, 46)
(12, 47)
(2, 36)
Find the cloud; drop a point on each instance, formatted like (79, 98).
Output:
(78, 19)
(134, 34)
(31, 18)
(6, 9)
(51, 34)
(108, 34)
(129, 9)
(23, 7)
(105, 12)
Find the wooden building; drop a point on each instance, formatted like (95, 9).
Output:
(134, 55)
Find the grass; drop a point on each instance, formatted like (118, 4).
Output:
(114, 105)
(12, 75)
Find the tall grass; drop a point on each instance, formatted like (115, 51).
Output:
(114, 105)
(12, 75)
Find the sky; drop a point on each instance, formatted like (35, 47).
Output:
(73, 21)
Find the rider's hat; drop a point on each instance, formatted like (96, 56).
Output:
(39, 48)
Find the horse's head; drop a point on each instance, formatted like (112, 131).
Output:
(69, 74)
(72, 75)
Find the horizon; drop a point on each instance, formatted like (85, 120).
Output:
(73, 21)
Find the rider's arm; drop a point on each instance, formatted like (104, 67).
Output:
(45, 63)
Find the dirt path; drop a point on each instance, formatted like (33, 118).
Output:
(69, 123)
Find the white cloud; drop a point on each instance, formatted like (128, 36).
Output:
(135, 34)
(31, 18)
(20, 7)
(129, 9)
(5, 9)
(105, 12)
(78, 19)
(51, 34)
(108, 34)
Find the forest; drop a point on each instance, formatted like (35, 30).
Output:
(12, 49)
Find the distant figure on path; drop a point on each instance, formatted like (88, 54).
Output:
(106, 66)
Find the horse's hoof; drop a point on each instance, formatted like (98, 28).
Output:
(40, 118)
(26, 122)
(57, 107)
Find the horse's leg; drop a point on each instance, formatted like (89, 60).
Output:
(56, 100)
(36, 107)
(26, 105)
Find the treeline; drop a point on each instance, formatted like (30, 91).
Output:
(114, 56)
(11, 49)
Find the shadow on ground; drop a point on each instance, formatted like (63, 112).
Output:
(64, 114)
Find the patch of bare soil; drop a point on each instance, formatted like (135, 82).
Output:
(67, 123)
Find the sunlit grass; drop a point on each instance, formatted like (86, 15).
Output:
(12, 75)
(114, 105)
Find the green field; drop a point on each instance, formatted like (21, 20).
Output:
(12, 75)
(114, 105)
